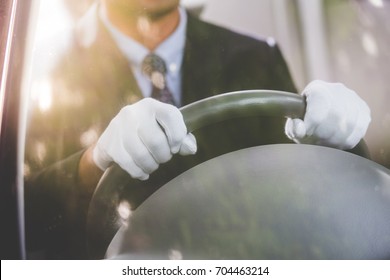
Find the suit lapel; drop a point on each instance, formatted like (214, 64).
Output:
(115, 74)
(201, 68)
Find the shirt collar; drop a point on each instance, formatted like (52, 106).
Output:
(135, 52)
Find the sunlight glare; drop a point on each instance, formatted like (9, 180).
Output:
(377, 3)
(42, 94)
(369, 44)
(124, 212)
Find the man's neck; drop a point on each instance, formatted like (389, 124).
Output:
(150, 32)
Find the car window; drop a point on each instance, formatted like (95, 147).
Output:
(68, 86)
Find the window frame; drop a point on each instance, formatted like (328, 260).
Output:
(15, 27)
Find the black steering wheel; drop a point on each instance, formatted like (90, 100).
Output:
(249, 118)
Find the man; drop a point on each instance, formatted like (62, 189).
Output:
(102, 116)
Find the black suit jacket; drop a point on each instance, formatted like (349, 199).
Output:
(92, 81)
(218, 60)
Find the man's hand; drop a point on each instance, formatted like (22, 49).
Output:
(335, 116)
(142, 136)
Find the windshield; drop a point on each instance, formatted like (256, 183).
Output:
(85, 70)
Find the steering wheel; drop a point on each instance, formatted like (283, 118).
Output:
(257, 114)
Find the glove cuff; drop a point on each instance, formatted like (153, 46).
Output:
(99, 159)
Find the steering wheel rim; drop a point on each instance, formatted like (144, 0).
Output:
(239, 104)
(103, 221)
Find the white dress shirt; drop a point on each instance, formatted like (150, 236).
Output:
(171, 50)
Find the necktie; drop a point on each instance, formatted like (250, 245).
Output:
(155, 69)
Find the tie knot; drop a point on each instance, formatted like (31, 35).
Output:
(154, 67)
(153, 63)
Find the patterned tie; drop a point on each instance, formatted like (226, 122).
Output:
(154, 67)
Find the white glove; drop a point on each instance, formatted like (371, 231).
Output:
(142, 136)
(335, 116)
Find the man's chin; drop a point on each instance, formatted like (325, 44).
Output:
(157, 14)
